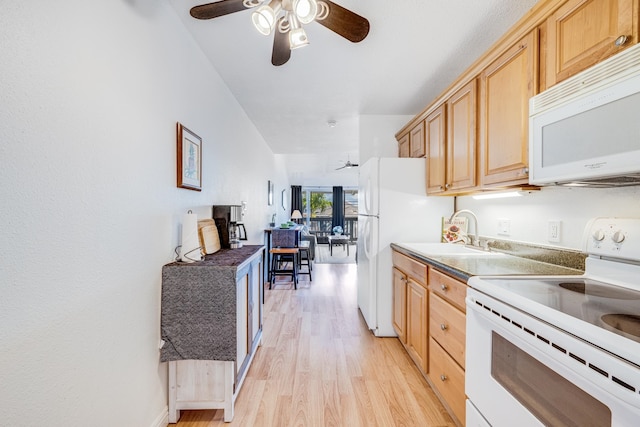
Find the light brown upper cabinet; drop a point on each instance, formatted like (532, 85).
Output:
(451, 131)
(582, 33)
(553, 41)
(416, 140)
(411, 142)
(403, 146)
(505, 88)
(436, 135)
(462, 109)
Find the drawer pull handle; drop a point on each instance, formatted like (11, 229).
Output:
(444, 287)
(443, 326)
(443, 377)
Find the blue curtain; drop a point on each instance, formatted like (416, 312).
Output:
(338, 208)
(296, 198)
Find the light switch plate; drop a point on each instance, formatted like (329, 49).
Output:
(553, 231)
(504, 226)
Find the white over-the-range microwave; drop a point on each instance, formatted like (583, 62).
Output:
(585, 131)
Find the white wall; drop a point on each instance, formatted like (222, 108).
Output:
(91, 93)
(574, 207)
(319, 170)
(377, 135)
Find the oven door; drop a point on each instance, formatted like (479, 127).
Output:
(519, 372)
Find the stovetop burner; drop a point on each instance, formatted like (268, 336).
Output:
(627, 323)
(598, 289)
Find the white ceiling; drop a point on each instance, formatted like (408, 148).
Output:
(414, 50)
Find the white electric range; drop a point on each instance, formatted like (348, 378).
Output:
(560, 351)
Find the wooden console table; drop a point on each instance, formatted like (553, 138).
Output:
(211, 325)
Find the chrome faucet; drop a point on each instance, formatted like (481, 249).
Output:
(476, 240)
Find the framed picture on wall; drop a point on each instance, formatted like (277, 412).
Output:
(284, 200)
(189, 159)
(269, 193)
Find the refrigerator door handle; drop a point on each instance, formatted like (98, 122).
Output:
(366, 236)
(368, 196)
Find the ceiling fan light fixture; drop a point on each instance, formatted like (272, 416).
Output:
(298, 38)
(285, 19)
(305, 10)
(297, 34)
(264, 18)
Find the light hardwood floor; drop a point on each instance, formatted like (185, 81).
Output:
(320, 366)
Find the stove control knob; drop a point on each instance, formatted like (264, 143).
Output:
(598, 235)
(618, 237)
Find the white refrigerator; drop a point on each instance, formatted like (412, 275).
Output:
(393, 207)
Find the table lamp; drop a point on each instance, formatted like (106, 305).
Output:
(296, 215)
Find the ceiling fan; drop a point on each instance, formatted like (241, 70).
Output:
(348, 165)
(287, 28)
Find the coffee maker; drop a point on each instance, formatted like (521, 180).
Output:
(228, 219)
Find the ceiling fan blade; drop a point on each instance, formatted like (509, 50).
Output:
(220, 8)
(281, 47)
(349, 25)
(341, 168)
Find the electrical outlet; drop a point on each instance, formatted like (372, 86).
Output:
(553, 231)
(504, 226)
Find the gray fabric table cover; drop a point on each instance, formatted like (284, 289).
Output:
(198, 312)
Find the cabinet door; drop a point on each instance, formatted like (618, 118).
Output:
(506, 86)
(403, 146)
(400, 304)
(417, 315)
(461, 138)
(416, 140)
(435, 139)
(582, 33)
(242, 325)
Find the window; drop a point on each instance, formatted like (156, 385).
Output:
(318, 209)
(317, 205)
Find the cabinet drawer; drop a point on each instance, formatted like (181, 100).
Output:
(412, 268)
(448, 378)
(449, 288)
(447, 326)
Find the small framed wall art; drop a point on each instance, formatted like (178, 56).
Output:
(269, 193)
(189, 159)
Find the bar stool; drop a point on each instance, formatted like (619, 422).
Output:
(284, 253)
(280, 259)
(304, 258)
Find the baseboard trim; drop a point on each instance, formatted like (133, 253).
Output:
(162, 420)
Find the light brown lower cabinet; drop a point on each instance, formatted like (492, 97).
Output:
(429, 317)
(410, 307)
(448, 379)
(447, 333)
(447, 326)
(417, 321)
(399, 295)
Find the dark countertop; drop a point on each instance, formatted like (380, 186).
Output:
(464, 267)
(223, 258)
